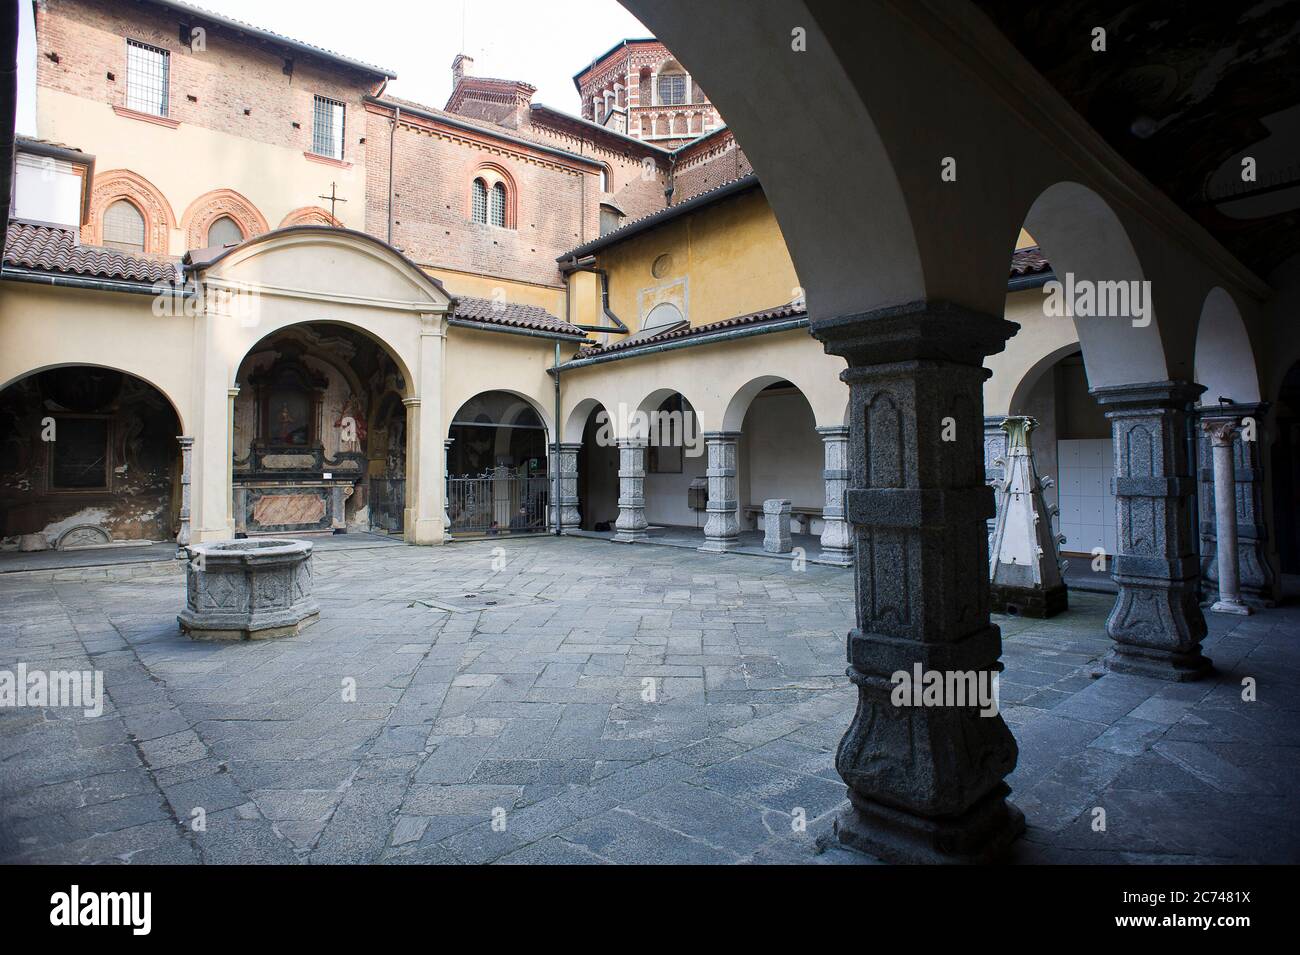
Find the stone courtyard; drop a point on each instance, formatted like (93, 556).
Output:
(500, 715)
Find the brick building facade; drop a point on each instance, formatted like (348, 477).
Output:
(405, 172)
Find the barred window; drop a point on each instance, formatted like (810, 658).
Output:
(124, 227)
(672, 89)
(146, 78)
(479, 201)
(327, 127)
(225, 231)
(499, 205)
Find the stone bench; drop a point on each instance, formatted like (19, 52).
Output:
(804, 515)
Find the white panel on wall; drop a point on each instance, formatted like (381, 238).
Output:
(1087, 505)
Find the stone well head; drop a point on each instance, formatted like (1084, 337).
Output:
(251, 589)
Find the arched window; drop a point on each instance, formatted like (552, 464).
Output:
(499, 204)
(480, 201)
(124, 227)
(224, 231)
(604, 179)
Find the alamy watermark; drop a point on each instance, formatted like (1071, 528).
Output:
(80, 689)
(959, 688)
(1085, 298)
(661, 429)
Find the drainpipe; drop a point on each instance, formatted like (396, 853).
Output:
(589, 265)
(559, 511)
(392, 135)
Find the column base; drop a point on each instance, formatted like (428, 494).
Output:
(981, 835)
(1158, 664)
(836, 558)
(1230, 606)
(718, 546)
(629, 537)
(1028, 601)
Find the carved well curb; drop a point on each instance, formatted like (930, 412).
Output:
(254, 589)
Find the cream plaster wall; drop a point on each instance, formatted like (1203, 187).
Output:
(189, 161)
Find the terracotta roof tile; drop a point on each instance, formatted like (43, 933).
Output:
(51, 248)
(752, 318)
(1029, 261)
(511, 314)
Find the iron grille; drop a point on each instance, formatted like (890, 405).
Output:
(499, 205)
(327, 127)
(672, 89)
(499, 501)
(147, 70)
(480, 201)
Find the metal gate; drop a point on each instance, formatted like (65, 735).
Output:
(499, 501)
(387, 504)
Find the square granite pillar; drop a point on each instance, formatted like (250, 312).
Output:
(722, 529)
(776, 526)
(1156, 623)
(564, 458)
(187, 472)
(836, 542)
(631, 523)
(1258, 579)
(926, 782)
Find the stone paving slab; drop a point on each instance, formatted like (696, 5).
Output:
(620, 704)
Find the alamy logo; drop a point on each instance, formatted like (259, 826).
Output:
(958, 688)
(103, 908)
(82, 689)
(1084, 298)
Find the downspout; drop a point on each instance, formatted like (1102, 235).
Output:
(559, 511)
(392, 134)
(589, 265)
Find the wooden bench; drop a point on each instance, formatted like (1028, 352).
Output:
(752, 514)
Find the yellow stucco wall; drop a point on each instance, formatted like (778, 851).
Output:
(42, 327)
(189, 161)
(728, 260)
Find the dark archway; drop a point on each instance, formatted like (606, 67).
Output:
(88, 457)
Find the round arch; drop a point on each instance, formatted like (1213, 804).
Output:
(117, 184)
(494, 174)
(1029, 379)
(734, 416)
(648, 405)
(1085, 241)
(407, 387)
(140, 374)
(1225, 360)
(521, 403)
(576, 422)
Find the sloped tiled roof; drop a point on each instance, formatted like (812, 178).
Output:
(512, 315)
(720, 191)
(1029, 261)
(752, 318)
(51, 248)
(202, 13)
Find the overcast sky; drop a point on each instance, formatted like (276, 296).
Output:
(543, 42)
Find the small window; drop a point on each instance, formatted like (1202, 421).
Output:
(79, 458)
(146, 78)
(610, 219)
(604, 179)
(499, 205)
(327, 127)
(124, 227)
(672, 89)
(225, 231)
(479, 210)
